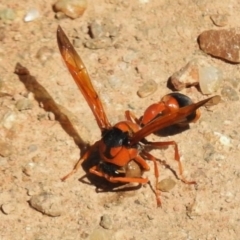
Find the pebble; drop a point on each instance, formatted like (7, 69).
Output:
(60, 15)
(34, 189)
(7, 14)
(223, 139)
(84, 235)
(114, 81)
(5, 149)
(71, 8)
(166, 185)
(230, 93)
(31, 15)
(44, 53)
(220, 20)
(133, 170)
(106, 222)
(130, 56)
(210, 79)
(198, 72)
(8, 208)
(147, 89)
(8, 119)
(150, 216)
(209, 152)
(96, 29)
(222, 44)
(24, 104)
(194, 209)
(47, 203)
(187, 76)
(103, 28)
(77, 42)
(28, 170)
(99, 43)
(32, 148)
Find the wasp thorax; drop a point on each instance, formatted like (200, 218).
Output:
(115, 137)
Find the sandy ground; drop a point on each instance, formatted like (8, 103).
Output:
(41, 137)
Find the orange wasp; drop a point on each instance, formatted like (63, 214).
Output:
(125, 141)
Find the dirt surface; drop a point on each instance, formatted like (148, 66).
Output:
(45, 119)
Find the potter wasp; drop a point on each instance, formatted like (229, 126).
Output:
(125, 142)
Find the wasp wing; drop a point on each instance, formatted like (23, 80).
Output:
(172, 118)
(81, 77)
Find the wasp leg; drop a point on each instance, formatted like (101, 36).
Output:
(142, 163)
(176, 156)
(156, 173)
(130, 116)
(81, 160)
(112, 179)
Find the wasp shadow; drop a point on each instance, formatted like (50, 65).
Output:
(44, 98)
(172, 130)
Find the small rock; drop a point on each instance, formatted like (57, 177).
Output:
(71, 8)
(5, 149)
(60, 15)
(147, 89)
(166, 185)
(210, 79)
(47, 203)
(96, 29)
(106, 222)
(98, 43)
(114, 81)
(44, 53)
(209, 152)
(77, 42)
(198, 72)
(133, 170)
(103, 59)
(28, 169)
(150, 216)
(220, 20)
(33, 189)
(7, 14)
(187, 76)
(8, 119)
(32, 148)
(84, 235)
(130, 56)
(230, 93)
(24, 104)
(223, 139)
(222, 44)
(31, 15)
(194, 209)
(8, 208)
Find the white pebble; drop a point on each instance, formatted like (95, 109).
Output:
(31, 15)
(224, 140)
(209, 79)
